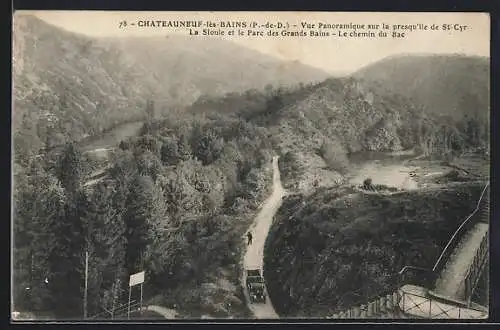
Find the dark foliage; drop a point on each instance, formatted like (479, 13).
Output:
(335, 251)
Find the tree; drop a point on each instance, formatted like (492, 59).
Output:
(207, 145)
(180, 197)
(48, 237)
(150, 143)
(144, 212)
(154, 258)
(122, 171)
(474, 131)
(334, 156)
(38, 208)
(170, 151)
(275, 100)
(255, 182)
(105, 242)
(69, 169)
(67, 260)
(148, 164)
(184, 148)
(290, 165)
(268, 89)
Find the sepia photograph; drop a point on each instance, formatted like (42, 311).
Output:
(250, 166)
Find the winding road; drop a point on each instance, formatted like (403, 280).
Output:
(255, 252)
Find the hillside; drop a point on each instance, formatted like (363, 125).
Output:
(452, 85)
(342, 110)
(190, 68)
(338, 247)
(68, 86)
(317, 125)
(338, 117)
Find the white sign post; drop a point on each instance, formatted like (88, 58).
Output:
(137, 278)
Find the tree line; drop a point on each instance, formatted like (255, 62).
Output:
(165, 206)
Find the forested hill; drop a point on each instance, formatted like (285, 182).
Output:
(316, 125)
(68, 86)
(354, 113)
(454, 85)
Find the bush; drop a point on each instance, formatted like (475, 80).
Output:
(334, 156)
(290, 167)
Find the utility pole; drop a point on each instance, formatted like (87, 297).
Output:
(113, 303)
(86, 284)
(141, 298)
(129, 293)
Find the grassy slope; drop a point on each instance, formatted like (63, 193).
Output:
(340, 247)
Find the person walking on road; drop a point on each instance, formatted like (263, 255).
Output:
(249, 236)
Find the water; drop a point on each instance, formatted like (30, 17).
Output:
(383, 168)
(112, 137)
(385, 158)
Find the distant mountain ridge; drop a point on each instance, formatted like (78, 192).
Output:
(235, 69)
(376, 108)
(452, 84)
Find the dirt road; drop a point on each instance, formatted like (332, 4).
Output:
(167, 313)
(255, 252)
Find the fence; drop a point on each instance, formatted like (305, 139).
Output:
(418, 305)
(466, 225)
(409, 303)
(385, 305)
(119, 311)
(480, 259)
(123, 312)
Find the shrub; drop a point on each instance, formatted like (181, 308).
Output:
(335, 156)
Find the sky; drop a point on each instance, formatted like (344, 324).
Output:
(331, 54)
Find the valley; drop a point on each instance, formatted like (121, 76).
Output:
(163, 160)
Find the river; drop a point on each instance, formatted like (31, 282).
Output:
(112, 137)
(382, 168)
